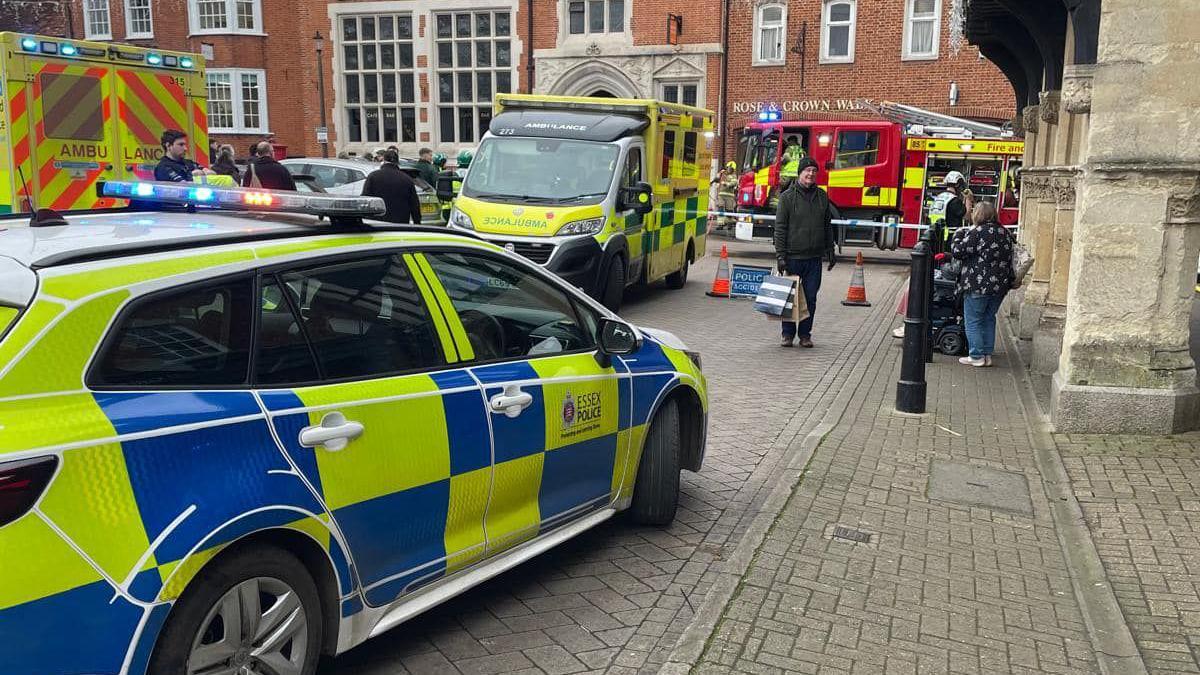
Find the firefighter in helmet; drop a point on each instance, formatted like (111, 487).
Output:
(727, 194)
(793, 152)
(949, 209)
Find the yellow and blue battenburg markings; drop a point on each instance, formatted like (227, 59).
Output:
(154, 484)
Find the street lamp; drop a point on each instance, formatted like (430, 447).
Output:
(323, 137)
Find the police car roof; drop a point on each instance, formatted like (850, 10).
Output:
(98, 236)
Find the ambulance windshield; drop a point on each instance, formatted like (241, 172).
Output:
(542, 171)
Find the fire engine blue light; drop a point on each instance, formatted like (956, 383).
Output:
(202, 194)
(153, 59)
(29, 44)
(143, 190)
(68, 50)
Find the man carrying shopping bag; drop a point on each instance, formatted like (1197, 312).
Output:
(803, 235)
(781, 299)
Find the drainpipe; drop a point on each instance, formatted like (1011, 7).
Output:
(722, 116)
(528, 46)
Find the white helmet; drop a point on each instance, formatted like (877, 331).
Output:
(953, 179)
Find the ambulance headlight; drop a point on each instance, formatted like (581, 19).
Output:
(586, 226)
(460, 219)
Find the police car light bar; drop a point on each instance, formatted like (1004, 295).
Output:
(242, 199)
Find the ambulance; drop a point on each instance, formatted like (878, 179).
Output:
(74, 113)
(890, 169)
(603, 192)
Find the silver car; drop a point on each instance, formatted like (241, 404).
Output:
(346, 177)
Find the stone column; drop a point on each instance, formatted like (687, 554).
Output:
(1125, 366)
(1037, 212)
(1026, 121)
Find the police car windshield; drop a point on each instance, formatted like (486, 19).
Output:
(542, 170)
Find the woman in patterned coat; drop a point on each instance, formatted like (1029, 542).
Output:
(985, 250)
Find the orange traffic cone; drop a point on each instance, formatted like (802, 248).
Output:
(720, 284)
(856, 295)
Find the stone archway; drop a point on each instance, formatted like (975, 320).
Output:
(595, 78)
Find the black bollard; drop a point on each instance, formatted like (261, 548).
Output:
(910, 390)
(930, 236)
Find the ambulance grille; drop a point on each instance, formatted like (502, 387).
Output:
(536, 252)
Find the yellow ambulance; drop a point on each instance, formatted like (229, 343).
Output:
(603, 192)
(73, 113)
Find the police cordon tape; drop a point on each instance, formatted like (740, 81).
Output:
(750, 217)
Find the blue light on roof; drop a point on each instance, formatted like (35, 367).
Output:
(201, 194)
(143, 190)
(29, 44)
(185, 62)
(153, 59)
(68, 50)
(768, 116)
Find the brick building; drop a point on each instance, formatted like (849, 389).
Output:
(821, 57)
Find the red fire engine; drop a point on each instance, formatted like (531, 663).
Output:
(885, 170)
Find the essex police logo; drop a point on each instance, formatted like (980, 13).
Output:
(568, 410)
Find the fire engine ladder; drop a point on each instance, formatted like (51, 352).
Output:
(931, 123)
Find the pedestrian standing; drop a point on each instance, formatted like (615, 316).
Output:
(175, 167)
(803, 235)
(727, 195)
(225, 164)
(425, 166)
(986, 251)
(266, 172)
(398, 191)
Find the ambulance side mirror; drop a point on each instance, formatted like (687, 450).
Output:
(638, 198)
(445, 188)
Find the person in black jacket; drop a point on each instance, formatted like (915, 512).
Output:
(265, 172)
(175, 167)
(225, 164)
(986, 252)
(803, 235)
(398, 191)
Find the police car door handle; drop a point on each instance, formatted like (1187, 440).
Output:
(334, 432)
(511, 402)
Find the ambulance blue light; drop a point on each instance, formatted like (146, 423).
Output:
(29, 44)
(153, 59)
(143, 190)
(185, 62)
(202, 194)
(69, 50)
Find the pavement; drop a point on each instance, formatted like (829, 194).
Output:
(827, 533)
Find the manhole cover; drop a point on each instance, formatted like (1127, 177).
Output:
(851, 534)
(979, 486)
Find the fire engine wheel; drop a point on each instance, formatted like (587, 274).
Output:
(676, 280)
(614, 284)
(656, 491)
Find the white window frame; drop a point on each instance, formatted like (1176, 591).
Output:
(825, 26)
(662, 90)
(235, 85)
(90, 6)
(588, 33)
(231, 19)
(130, 33)
(758, 34)
(908, 54)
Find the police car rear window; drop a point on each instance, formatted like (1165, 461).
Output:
(194, 337)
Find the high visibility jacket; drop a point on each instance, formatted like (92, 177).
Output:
(791, 161)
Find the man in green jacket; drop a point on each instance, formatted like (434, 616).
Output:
(803, 235)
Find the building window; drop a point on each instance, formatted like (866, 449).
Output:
(474, 60)
(837, 31)
(379, 78)
(237, 100)
(680, 92)
(138, 23)
(921, 24)
(225, 16)
(97, 24)
(595, 16)
(770, 28)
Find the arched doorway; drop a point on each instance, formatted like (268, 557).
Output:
(602, 93)
(595, 78)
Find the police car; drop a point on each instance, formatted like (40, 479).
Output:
(234, 441)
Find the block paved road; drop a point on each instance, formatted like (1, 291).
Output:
(616, 599)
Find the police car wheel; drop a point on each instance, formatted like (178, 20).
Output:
(656, 491)
(677, 280)
(614, 284)
(256, 611)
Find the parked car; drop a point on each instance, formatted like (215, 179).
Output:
(346, 177)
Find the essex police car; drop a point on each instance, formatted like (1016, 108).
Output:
(233, 442)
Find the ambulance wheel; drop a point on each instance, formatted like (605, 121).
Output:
(951, 343)
(614, 284)
(256, 611)
(656, 491)
(676, 280)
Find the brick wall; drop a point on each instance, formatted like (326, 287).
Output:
(42, 18)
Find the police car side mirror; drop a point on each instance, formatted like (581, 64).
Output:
(616, 338)
(638, 198)
(445, 188)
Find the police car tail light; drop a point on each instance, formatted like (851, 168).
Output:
(21, 484)
(242, 199)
